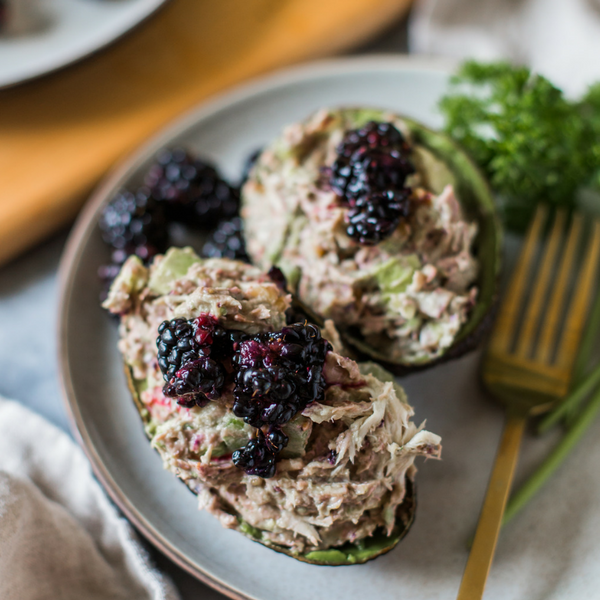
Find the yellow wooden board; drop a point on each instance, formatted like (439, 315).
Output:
(59, 134)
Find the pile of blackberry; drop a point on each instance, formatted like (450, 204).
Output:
(181, 188)
(369, 174)
(275, 376)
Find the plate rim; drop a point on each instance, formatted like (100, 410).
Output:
(84, 227)
(35, 74)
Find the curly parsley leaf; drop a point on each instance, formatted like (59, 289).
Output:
(532, 142)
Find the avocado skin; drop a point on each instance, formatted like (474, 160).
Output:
(348, 554)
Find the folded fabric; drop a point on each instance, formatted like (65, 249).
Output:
(558, 38)
(60, 537)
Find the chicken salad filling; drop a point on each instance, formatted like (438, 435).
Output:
(335, 471)
(393, 262)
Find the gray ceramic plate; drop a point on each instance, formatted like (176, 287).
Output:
(551, 551)
(65, 31)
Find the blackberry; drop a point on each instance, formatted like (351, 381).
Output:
(172, 175)
(180, 341)
(308, 335)
(277, 440)
(192, 189)
(176, 346)
(372, 159)
(279, 374)
(227, 241)
(203, 376)
(266, 395)
(226, 343)
(214, 340)
(375, 217)
(257, 457)
(134, 223)
(205, 327)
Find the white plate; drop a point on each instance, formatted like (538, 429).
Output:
(71, 30)
(550, 551)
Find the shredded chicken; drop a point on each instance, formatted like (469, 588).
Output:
(345, 478)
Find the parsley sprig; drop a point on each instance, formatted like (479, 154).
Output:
(533, 143)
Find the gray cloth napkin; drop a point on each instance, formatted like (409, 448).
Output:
(557, 38)
(60, 537)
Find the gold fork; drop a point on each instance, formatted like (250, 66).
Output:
(528, 378)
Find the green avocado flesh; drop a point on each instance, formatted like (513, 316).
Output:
(349, 554)
(477, 202)
(174, 265)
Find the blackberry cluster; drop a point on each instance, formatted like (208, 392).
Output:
(369, 174)
(276, 375)
(191, 189)
(227, 241)
(259, 455)
(374, 217)
(177, 187)
(191, 357)
(371, 159)
(279, 374)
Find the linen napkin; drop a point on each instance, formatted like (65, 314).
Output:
(557, 38)
(60, 537)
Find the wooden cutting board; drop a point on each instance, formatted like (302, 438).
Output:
(59, 134)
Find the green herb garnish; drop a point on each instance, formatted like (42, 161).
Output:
(533, 143)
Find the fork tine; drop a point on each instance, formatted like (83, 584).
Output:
(505, 323)
(548, 334)
(579, 305)
(534, 308)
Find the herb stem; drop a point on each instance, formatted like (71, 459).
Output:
(570, 401)
(554, 459)
(582, 363)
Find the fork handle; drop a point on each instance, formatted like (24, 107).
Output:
(490, 520)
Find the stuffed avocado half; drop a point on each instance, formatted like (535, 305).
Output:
(280, 435)
(382, 225)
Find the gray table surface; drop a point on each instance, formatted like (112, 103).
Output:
(28, 308)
